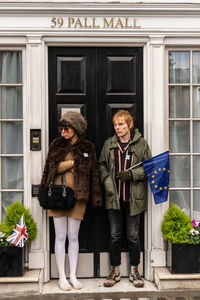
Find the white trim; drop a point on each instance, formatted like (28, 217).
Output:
(45, 135)
(180, 7)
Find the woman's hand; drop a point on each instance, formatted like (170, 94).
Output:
(64, 166)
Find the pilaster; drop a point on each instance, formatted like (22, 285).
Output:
(36, 111)
(157, 100)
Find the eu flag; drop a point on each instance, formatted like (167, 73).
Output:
(157, 172)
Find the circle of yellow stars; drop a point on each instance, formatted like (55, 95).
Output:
(153, 176)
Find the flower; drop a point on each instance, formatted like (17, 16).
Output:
(194, 235)
(3, 240)
(193, 223)
(2, 234)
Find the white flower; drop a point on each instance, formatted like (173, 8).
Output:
(192, 231)
(2, 234)
(196, 232)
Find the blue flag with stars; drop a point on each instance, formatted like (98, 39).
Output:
(157, 172)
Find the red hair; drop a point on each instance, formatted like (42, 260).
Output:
(127, 117)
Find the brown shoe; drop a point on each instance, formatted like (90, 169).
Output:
(113, 277)
(135, 277)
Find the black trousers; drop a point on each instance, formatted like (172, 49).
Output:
(116, 218)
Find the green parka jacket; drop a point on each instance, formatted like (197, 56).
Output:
(140, 151)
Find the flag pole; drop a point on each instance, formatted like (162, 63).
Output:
(134, 166)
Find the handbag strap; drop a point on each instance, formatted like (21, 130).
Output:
(64, 192)
(63, 179)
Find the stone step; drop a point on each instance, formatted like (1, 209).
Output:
(30, 283)
(165, 280)
(94, 287)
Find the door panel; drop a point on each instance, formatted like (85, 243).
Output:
(70, 84)
(71, 75)
(119, 86)
(96, 82)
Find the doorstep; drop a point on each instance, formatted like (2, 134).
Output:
(31, 284)
(94, 286)
(165, 280)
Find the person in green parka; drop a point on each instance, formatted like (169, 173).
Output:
(125, 192)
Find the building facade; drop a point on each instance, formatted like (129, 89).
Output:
(98, 57)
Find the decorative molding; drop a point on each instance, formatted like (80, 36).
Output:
(156, 40)
(167, 8)
(34, 39)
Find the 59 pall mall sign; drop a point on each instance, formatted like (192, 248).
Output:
(72, 22)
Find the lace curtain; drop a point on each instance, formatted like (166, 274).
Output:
(181, 135)
(11, 127)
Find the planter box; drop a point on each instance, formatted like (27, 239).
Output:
(11, 261)
(183, 258)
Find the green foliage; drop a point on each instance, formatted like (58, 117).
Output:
(13, 215)
(176, 225)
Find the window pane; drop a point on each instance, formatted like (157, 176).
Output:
(196, 102)
(196, 171)
(179, 102)
(179, 67)
(197, 205)
(10, 67)
(179, 136)
(11, 102)
(179, 171)
(196, 67)
(196, 137)
(12, 137)
(182, 199)
(12, 173)
(8, 198)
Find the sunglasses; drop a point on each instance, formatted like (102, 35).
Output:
(65, 129)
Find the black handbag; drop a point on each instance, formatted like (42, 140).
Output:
(56, 196)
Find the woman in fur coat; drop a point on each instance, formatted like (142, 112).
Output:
(75, 156)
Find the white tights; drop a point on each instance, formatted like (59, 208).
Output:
(65, 226)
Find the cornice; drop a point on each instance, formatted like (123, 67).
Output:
(99, 8)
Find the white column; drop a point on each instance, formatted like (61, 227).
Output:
(37, 110)
(148, 271)
(158, 140)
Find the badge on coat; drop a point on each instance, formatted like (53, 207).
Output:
(128, 157)
(85, 154)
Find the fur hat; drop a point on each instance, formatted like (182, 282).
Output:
(76, 120)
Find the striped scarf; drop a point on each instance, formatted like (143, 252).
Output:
(123, 161)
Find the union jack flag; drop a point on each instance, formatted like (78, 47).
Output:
(19, 235)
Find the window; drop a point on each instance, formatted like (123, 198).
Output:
(184, 130)
(11, 123)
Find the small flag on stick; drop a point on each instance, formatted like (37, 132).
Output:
(19, 235)
(157, 171)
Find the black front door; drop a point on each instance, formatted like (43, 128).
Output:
(96, 82)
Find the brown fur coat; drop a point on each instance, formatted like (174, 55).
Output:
(86, 172)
